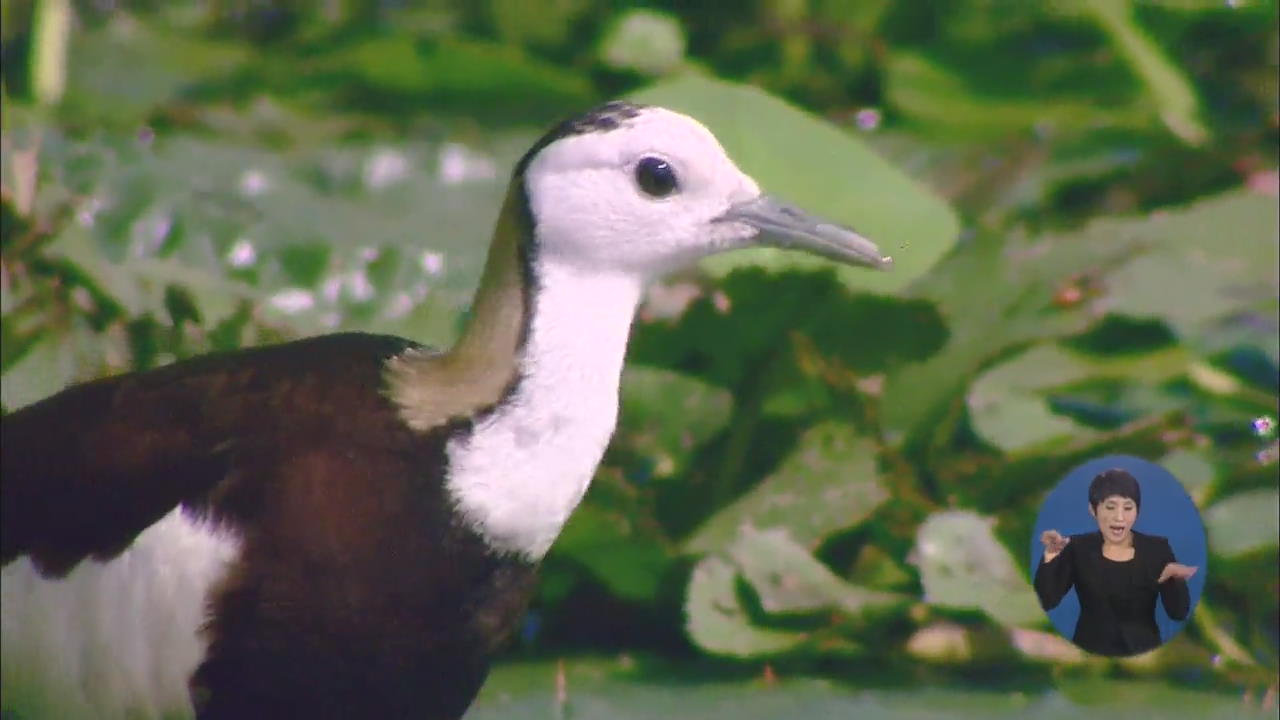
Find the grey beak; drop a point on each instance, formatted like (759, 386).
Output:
(785, 226)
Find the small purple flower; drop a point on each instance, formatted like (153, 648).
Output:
(867, 119)
(1264, 426)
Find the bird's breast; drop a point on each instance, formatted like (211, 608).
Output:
(521, 471)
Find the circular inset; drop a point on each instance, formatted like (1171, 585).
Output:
(1118, 556)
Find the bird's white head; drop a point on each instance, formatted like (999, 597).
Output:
(643, 190)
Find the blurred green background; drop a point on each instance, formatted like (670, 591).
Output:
(820, 492)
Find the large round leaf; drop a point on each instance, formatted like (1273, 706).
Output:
(789, 579)
(1244, 522)
(1009, 404)
(829, 482)
(963, 565)
(718, 620)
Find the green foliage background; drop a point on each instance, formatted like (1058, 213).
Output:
(1080, 195)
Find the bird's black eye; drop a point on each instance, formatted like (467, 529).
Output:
(655, 176)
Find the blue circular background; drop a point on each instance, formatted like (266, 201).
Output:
(1166, 510)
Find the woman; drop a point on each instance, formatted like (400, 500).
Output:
(1116, 572)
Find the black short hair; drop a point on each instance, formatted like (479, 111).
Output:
(1114, 482)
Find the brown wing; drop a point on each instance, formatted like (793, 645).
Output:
(83, 472)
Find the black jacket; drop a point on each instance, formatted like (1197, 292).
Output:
(1117, 600)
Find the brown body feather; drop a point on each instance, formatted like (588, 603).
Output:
(356, 593)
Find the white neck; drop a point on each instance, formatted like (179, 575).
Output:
(525, 467)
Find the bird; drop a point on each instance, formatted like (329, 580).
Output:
(351, 525)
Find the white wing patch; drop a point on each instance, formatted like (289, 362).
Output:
(116, 639)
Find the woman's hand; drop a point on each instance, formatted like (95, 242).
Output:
(1176, 571)
(1054, 543)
